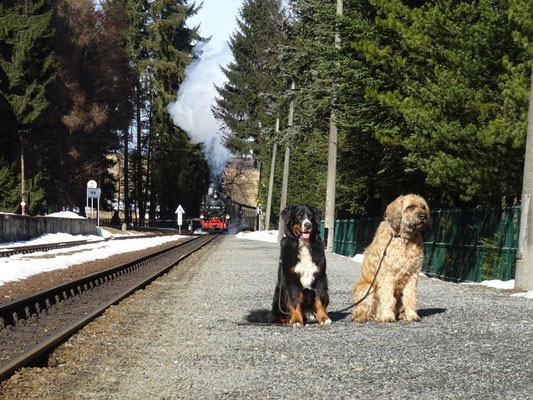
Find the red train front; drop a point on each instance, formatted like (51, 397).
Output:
(215, 212)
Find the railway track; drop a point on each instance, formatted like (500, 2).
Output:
(33, 325)
(9, 251)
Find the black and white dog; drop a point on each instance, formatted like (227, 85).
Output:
(302, 290)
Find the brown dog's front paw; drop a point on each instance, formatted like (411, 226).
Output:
(388, 317)
(361, 318)
(409, 316)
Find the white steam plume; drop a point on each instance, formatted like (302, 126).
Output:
(192, 110)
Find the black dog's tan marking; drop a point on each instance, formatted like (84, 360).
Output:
(301, 292)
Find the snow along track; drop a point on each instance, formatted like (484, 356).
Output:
(9, 251)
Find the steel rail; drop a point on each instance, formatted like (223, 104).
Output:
(9, 251)
(7, 369)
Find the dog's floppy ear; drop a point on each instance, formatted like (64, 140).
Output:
(317, 214)
(286, 214)
(393, 213)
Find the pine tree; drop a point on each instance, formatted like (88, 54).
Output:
(8, 187)
(135, 14)
(91, 105)
(446, 64)
(25, 66)
(179, 172)
(371, 173)
(307, 57)
(253, 83)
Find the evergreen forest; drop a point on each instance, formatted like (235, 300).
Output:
(429, 97)
(85, 86)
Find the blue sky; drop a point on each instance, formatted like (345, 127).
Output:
(192, 111)
(217, 18)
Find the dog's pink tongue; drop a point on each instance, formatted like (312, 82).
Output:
(306, 235)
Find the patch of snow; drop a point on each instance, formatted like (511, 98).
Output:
(527, 295)
(494, 283)
(103, 233)
(264, 236)
(497, 284)
(503, 285)
(46, 238)
(65, 214)
(358, 258)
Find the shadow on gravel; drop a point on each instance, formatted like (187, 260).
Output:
(338, 316)
(428, 312)
(263, 316)
(258, 316)
(422, 313)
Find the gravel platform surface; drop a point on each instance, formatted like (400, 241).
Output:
(181, 338)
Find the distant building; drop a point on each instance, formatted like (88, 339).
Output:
(241, 180)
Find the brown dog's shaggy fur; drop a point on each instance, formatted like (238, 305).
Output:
(393, 295)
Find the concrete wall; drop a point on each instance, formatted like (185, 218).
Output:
(19, 227)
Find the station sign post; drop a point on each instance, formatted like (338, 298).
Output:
(93, 192)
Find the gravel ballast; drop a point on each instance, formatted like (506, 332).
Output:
(181, 337)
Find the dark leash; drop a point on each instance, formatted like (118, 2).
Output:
(373, 280)
(392, 236)
(279, 295)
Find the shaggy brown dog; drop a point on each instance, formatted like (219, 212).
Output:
(393, 295)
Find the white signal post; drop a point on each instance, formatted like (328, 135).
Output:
(180, 211)
(93, 192)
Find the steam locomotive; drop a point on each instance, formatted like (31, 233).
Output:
(215, 211)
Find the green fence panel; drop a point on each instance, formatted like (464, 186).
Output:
(460, 244)
(472, 244)
(352, 236)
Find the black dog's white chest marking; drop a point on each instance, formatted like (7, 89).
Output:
(306, 268)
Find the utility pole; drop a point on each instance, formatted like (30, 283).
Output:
(271, 181)
(285, 181)
(332, 155)
(524, 254)
(22, 174)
